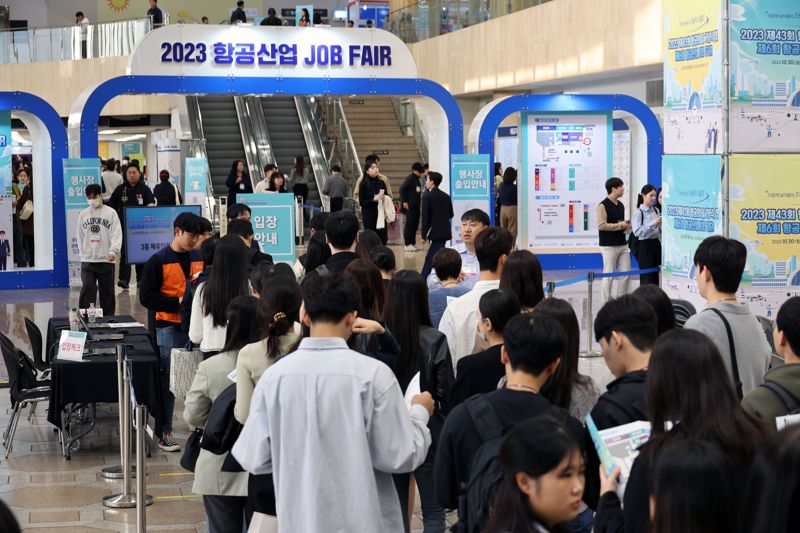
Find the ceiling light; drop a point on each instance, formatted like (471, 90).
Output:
(108, 132)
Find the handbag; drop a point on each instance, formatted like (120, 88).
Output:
(263, 523)
(633, 241)
(182, 368)
(27, 210)
(192, 450)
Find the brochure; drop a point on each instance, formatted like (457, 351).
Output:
(619, 447)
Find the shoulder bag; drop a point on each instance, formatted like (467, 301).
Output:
(27, 210)
(734, 364)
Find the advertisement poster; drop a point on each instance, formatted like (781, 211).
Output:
(194, 191)
(6, 233)
(693, 47)
(566, 160)
(691, 212)
(765, 216)
(470, 187)
(130, 149)
(506, 147)
(149, 229)
(765, 66)
(5, 151)
(169, 158)
(272, 216)
(300, 11)
(78, 173)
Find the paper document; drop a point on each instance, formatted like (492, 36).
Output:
(412, 390)
(619, 447)
(125, 325)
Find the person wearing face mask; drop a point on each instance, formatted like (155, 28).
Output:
(647, 228)
(99, 241)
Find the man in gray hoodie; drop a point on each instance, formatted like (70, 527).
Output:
(719, 263)
(99, 241)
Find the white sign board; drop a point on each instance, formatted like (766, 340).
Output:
(70, 346)
(271, 51)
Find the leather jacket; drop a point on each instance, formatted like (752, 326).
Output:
(436, 365)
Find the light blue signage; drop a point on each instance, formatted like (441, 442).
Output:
(196, 170)
(470, 187)
(78, 173)
(5, 151)
(272, 216)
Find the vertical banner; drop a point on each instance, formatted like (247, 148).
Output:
(506, 149)
(6, 232)
(272, 216)
(78, 173)
(765, 65)
(5, 152)
(693, 83)
(169, 159)
(471, 183)
(194, 190)
(765, 209)
(691, 211)
(566, 160)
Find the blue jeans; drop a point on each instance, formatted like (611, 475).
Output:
(432, 513)
(167, 338)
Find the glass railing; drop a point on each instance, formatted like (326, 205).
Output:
(107, 39)
(430, 18)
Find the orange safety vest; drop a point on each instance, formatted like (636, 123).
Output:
(174, 284)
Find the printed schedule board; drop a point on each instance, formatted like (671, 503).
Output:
(149, 229)
(566, 160)
(272, 216)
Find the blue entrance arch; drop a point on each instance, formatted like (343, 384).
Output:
(124, 85)
(36, 108)
(581, 103)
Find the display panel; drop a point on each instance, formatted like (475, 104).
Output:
(149, 229)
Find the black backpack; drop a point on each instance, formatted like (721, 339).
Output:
(791, 403)
(633, 240)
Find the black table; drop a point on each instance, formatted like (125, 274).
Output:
(94, 380)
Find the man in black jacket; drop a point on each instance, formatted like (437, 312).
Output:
(271, 19)
(244, 229)
(238, 14)
(411, 197)
(531, 353)
(437, 212)
(341, 232)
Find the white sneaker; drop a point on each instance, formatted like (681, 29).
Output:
(410, 248)
(418, 248)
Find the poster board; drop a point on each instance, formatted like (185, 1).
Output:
(149, 229)
(78, 173)
(471, 182)
(273, 219)
(566, 160)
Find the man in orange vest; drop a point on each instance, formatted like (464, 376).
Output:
(163, 286)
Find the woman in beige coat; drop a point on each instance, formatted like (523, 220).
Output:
(224, 493)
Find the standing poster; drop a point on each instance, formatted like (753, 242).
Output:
(272, 216)
(78, 173)
(507, 146)
(194, 191)
(6, 232)
(168, 153)
(765, 66)
(304, 11)
(470, 188)
(693, 83)
(691, 211)
(765, 217)
(566, 160)
(5, 152)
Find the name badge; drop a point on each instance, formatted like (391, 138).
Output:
(139, 199)
(419, 189)
(241, 186)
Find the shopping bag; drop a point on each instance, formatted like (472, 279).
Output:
(182, 368)
(263, 523)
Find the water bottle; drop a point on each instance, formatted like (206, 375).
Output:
(92, 314)
(73, 319)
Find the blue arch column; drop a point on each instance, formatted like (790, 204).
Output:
(44, 112)
(122, 85)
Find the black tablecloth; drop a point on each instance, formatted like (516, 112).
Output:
(94, 380)
(56, 324)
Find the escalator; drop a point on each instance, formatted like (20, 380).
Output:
(287, 139)
(223, 137)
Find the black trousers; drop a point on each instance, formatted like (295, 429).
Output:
(227, 514)
(96, 276)
(301, 189)
(428, 266)
(125, 272)
(649, 255)
(412, 225)
(336, 204)
(27, 245)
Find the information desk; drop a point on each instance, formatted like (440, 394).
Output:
(94, 380)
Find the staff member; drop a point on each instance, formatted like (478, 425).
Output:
(612, 226)
(99, 241)
(411, 197)
(134, 192)
(647, 228)
(437, 211)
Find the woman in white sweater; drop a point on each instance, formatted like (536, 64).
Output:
(224, 493)
(228, 280)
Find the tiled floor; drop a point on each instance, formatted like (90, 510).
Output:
(49, 494)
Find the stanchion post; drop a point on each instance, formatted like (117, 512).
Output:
(142, 498)
(551, 288)
(116, 472)
(589, 352)
(126, 499)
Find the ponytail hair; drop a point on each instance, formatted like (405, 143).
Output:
(278, 309)
(645, 190)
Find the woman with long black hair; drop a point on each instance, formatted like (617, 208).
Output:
(371, 193)
(298, 177)
(543, 479)
(522, 275)
(646, 223)
(689, 395)
(228, 280)
(238, 181)
(773, 497)
(423, 350)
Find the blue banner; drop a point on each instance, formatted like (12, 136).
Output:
(272, 216)
(149, 229)
(196, 170)
(470, 187)
(5, 152)
(78, 173)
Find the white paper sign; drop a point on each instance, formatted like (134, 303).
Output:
(96, 312)
(70, 347)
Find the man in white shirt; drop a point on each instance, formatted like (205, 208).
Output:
(99, 241)
(111, 179)
(82, 21)
(459, 322)
(472, 223)
(263, 185)
(331, 425)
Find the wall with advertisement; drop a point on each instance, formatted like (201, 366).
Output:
(765, 67)
(765, 209)
(693, 76)
(78, 173)
(566, 160)
(692, 212)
